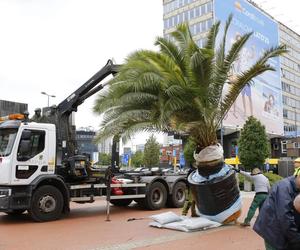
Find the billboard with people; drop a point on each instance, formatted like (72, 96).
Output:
(263, 97)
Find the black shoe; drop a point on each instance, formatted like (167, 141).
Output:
(245, 224)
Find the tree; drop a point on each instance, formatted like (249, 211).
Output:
(104, 159)
(188, 151)
(151, 152)
(254, 146)
(137, 159)
(178, 88)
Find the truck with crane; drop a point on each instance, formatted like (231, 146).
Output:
(41, 170)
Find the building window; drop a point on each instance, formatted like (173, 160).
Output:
(209, 7)
(283, 147)
(192, 14)
(203, 26)
(197, 12)
(209, 23)
(203, 9)
(285, 113)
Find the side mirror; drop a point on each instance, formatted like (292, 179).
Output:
(24, 150)
(26, 134)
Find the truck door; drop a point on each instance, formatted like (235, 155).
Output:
(32, 156)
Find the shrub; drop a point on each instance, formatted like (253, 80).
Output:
(253, 144)
(273, 178)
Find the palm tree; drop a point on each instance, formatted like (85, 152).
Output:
(178, 88)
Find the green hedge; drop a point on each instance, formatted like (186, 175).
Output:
(273, 178)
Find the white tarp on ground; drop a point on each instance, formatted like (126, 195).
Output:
(171, 220)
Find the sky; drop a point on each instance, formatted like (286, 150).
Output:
(57, 45)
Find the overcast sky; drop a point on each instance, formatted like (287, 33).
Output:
(57, 45)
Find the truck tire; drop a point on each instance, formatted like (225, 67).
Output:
(16, 212)
(121, 202)
(156, 196)
(46, 204)
(177, 198)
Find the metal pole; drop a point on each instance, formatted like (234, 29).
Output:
(108, 177)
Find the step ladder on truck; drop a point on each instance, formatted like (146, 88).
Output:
(41, 170)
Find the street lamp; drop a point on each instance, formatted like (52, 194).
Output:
(44, 93)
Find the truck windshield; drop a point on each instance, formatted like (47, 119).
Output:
(7, 139)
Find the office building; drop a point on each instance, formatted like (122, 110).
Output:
(8, 107)
(281, 87)
(105, 146)
(85, 141)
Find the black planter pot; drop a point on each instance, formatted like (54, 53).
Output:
(209, 170)
(217, 195)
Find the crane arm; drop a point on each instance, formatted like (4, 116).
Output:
(89, 88)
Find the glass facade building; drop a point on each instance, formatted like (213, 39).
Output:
(85, 142)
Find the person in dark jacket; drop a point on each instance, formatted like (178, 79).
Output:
(278, 222)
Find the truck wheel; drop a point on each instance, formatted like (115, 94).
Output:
(16, 212)
(156, 196)
(177, 198)
(121, 202)
(46, 204)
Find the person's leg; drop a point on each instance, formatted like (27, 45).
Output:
(234, 110)
(268, 246)
(193, 207)
(263, 197)
(249, 94)
(254, 205)
(187, 203)
(244, 101)
(244, 105)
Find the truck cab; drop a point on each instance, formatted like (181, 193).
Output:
(27, 150)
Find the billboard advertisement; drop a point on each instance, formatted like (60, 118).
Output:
(263, 98)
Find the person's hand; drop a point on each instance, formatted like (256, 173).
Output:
(236, 170)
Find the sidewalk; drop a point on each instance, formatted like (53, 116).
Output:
(229, 237)
(86, 228)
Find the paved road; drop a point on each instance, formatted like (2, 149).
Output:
(86, 228)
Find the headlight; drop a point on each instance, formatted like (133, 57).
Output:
(4, 192)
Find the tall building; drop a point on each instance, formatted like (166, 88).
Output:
(7, 107)
(105, 146)
(84, 138)
(290, 76)
(281, 88)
